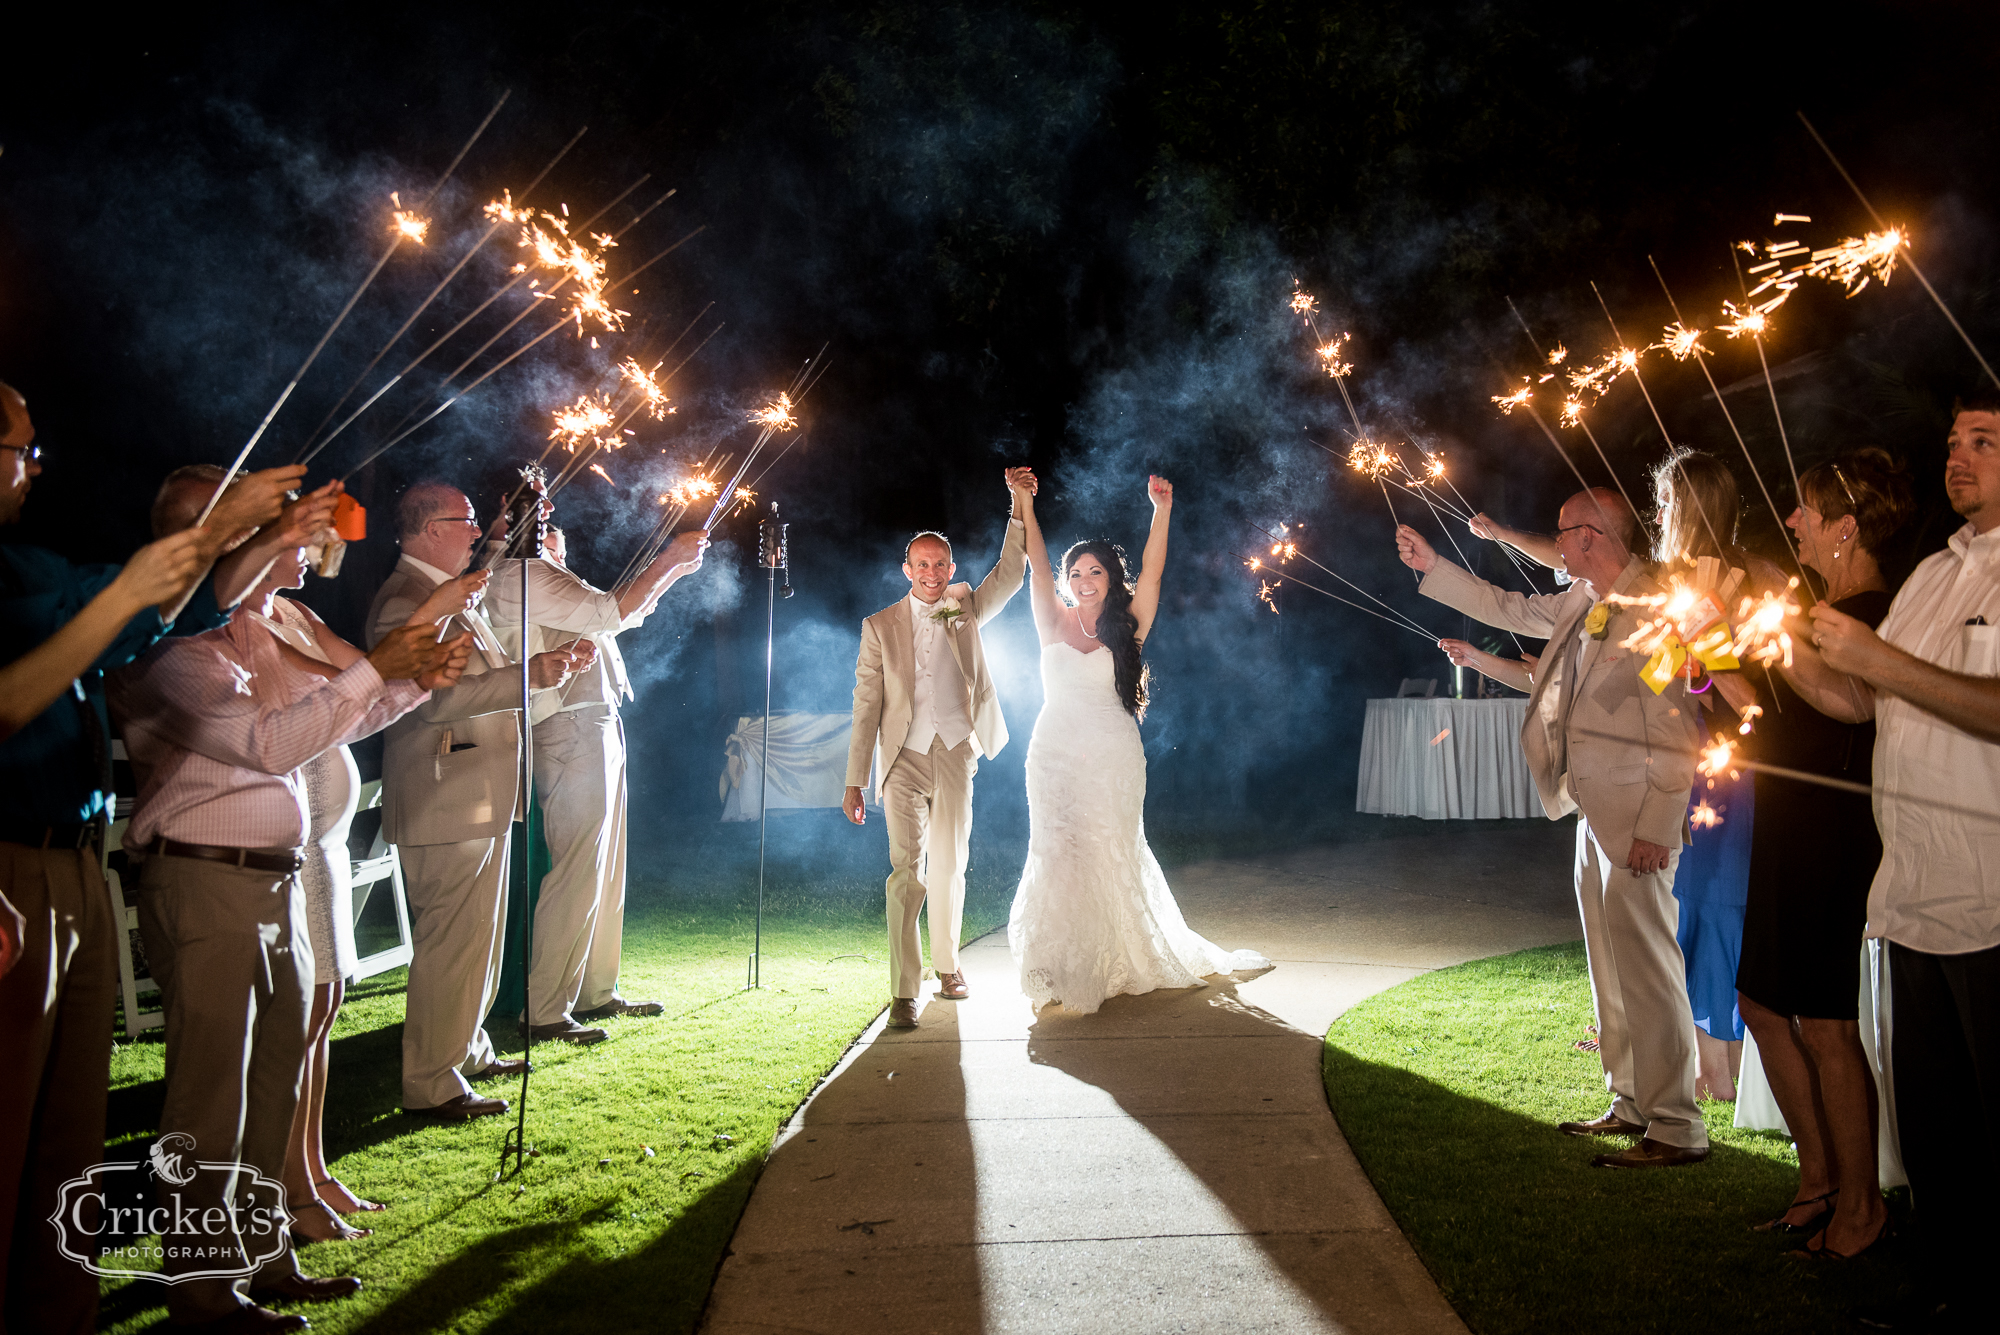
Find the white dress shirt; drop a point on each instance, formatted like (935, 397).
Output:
(216, 757)
(563, 607)
(940, 705)
(1938, 888)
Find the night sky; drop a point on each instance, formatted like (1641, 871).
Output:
(1035, 233)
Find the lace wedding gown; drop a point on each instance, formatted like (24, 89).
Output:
(1093, 917)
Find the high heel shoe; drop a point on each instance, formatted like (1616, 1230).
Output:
(1814, 1224)
(1826, 1253)
(337, 1229)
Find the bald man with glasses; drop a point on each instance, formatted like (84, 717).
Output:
(1601, 743)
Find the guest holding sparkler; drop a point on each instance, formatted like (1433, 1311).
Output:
(217, 739)
(1813, 855)
(451, 791)
(62, 627)
(1931, 682)
(308, 653)
(1601, 742)
(579, 760)
(1700, 507)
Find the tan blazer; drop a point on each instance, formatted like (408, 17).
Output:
(1596, 737)
(885, 674)
(432, 794)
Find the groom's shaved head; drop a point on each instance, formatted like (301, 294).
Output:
(927, 535)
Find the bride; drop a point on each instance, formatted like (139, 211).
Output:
(1093, 917)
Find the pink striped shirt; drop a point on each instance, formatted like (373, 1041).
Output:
(216, 743)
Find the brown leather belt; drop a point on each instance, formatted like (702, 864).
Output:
(283, 863)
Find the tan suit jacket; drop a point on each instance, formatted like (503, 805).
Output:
(432, 794)
(885, 674)
(1596, 737)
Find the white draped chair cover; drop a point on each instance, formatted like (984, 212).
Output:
(808, 763)
(1473, 771)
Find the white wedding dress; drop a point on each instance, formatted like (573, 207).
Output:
(1093, 917)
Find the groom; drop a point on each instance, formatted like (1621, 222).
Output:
(924, 703)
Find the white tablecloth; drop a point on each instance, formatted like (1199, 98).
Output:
(1475, 772)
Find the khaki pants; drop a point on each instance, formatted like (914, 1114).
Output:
(55, 1031)
(229, 949)
(458, 900)
(927, 804)
(1638, 980)
(580, 917)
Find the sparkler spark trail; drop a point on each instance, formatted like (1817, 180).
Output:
(313, 439)
(1704, 816)
(397, 240)
(1256, 566)
(1572, 410)
(1911, 260)
(1741, 444)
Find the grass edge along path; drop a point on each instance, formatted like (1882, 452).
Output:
(597, 1233)
(1449, 1087)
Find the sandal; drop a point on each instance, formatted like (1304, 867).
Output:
(360, 1206)
(341, 1230)
(1816, 1223)
(1826, 1253)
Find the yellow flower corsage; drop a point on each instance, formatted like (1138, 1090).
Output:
(1598, 623)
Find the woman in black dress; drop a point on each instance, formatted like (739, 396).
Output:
(1813, 856)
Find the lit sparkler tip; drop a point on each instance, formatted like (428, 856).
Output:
(1678, 340)
(1303, 302)
(1572, 411)
(1509, 402)
(1749, 320)
(1556, 354)
(1330, 358)
(1627, 358)
(778, 415)
(411, 226)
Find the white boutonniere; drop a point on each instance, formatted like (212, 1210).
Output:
(949, 612)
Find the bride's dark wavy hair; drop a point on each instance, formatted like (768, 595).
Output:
(1117, 628)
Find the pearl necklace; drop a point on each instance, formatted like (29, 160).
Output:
(1079, 624)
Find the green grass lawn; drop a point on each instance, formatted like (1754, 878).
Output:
(1449, 1088)
(596, 1234)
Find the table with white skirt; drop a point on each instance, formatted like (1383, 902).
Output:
(1446, 760)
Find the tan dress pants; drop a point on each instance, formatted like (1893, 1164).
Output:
(1638, 980)
(230, 950)
(927, 805)
(458, 900)
(580, 916)
(55, 1029)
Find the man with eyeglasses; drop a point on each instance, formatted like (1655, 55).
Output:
(62, 627)
(1601, 743)
(450, 793)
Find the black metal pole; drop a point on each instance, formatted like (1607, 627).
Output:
(771, 555)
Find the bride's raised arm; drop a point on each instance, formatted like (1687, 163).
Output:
(1041, 576)
(1146, 596)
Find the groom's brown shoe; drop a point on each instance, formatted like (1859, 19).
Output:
(951, 986)
(1651, 1154)
(903, 1013)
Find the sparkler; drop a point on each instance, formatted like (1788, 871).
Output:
(1704, 816)
(1753, 321)
(1678, 334)
(1265, 589)
(502, 364)
(398, 236)
(1284, 548)
(1902, 245)
(1621, 360)
(310, 448)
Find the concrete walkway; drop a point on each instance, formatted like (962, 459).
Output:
(1168, 1164)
